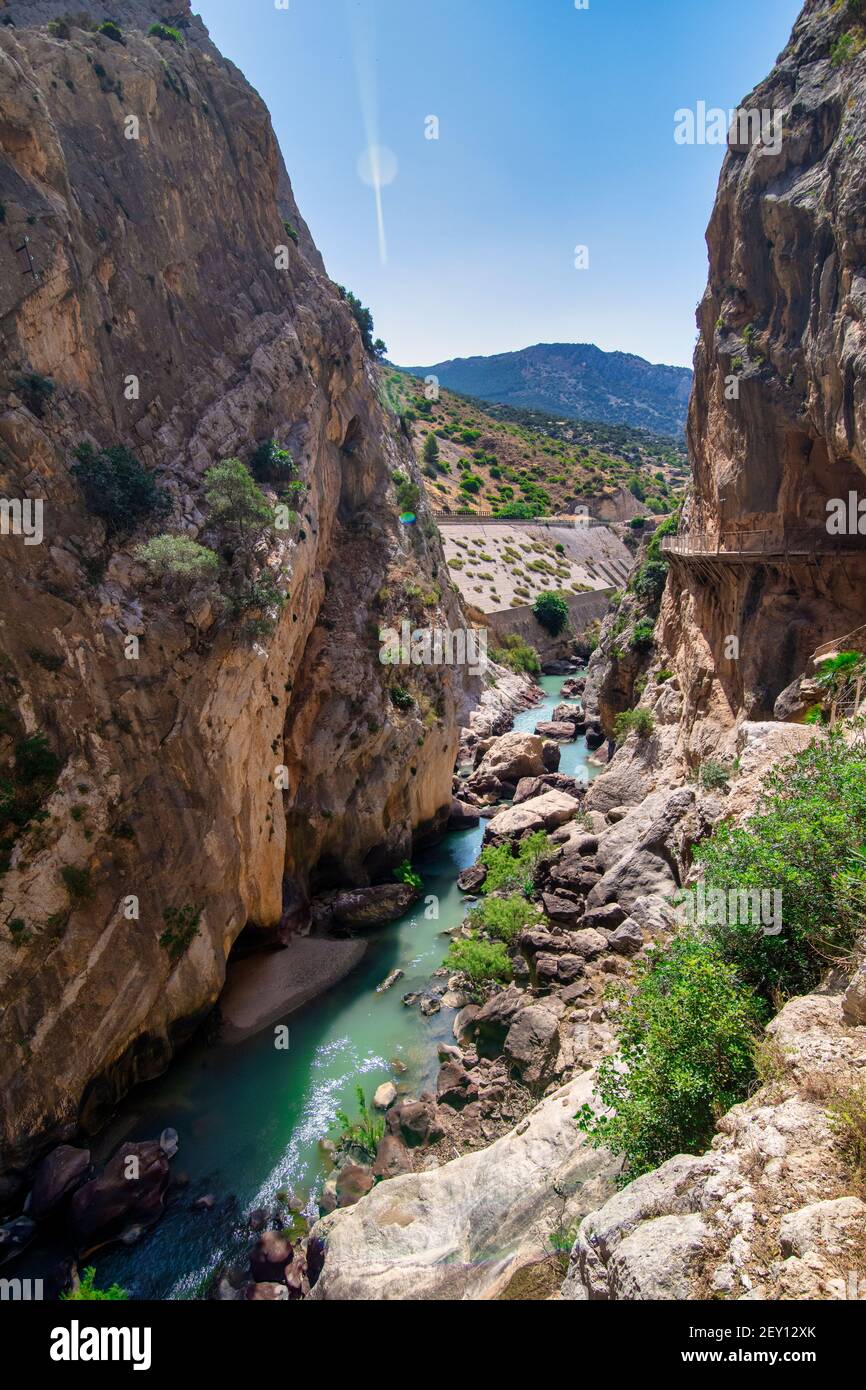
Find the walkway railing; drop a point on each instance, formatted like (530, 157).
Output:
(759, 545)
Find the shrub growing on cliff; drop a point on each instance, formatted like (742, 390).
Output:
(165, 31)
(181, 929)
(685, 1056)
(482, 962)
(641, 639)
(117, 487)
(551, 611)
(111, 31)
(516, 653)
(633, 721)
(35, 390)
(805, 841)
(271, 463)
(178, 562)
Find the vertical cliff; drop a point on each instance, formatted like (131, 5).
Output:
(214, 766)
(776, 423)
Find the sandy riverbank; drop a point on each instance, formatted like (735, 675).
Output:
(262, 989)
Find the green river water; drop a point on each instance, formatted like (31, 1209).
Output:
(249, 1117)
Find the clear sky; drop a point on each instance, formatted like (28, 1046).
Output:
(555, 130)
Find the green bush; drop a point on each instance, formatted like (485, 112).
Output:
(117, 487)
(35, 390)
(364, 319)
(404, 873)
(713, 776)
(111, 31)
(431, 449)
(164, 31)
(641, 639)
(649, 582)
(401, 697)
(551, 611)
(291, 232)
(633, 721)
(181, 929)
(271, 463)
(86, 1292)
(35, 760)
(483, 962)
(177, 561)
(77, 883)
(503, 918)
(805, 841)
(513, 864)
(515, 653)
(239, 509)
(686, 1050)
(408, 494)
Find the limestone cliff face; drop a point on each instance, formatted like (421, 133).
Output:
(783, 313)
(156, 260)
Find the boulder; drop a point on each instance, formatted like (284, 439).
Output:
(271, 1253)
(353, 1181)
(493, 1020)
(832, 1224)
(470, 880)
(463, 1023)
(130, 1189)
(529, 787)
(371, 907)
(532, 1041)
(568, 911)
(385, 1095)
(594, 738)
(551, 755)
(567, 714)
(455, 1086)
(627, 939)
(588, 943)
(392, 1157)
(560, 732)
(415, 1122)
(463, 816)
(512, 756)
(463, 1231)
(59, 1174)
(545, 812)
(603, 918)
(267, 1293)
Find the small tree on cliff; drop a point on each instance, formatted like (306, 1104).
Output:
(431, 449)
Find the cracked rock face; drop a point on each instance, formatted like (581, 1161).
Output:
(157, 261)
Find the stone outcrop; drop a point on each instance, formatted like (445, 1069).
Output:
(467, 1230)
(162, 322)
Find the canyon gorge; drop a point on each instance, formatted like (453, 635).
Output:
(209, 773)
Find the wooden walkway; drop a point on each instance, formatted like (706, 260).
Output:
(761, 547)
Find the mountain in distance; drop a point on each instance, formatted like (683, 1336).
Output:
(576, 380)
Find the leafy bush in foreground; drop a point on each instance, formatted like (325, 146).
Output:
(806, 841)
(686, 1055)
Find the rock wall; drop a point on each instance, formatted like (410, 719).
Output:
(156, 260)
(782, 318)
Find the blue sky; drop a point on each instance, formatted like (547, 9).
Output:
(555, 130)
